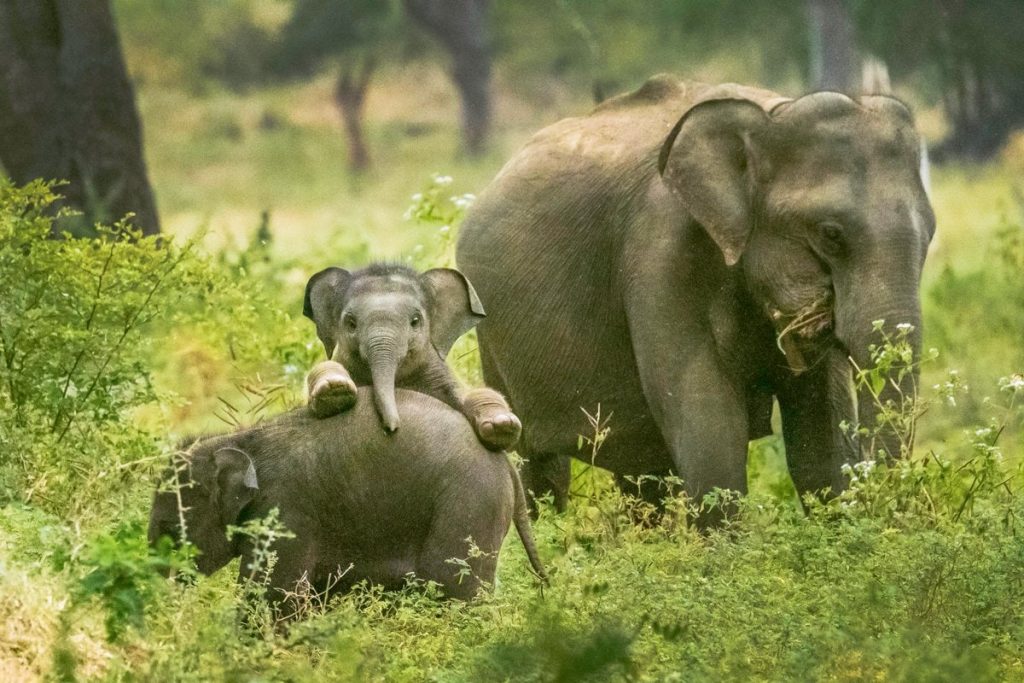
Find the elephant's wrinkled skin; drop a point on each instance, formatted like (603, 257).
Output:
(645, 258)
(387, 326)
(388, 505)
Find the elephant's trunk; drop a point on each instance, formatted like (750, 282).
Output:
(382, 356)
(880, 399)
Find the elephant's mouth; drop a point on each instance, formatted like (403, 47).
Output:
(797, 333)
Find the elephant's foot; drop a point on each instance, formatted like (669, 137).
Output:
(495, 424)
(331, 390)
(499, 431)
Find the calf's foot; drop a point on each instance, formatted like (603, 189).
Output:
(331, 390)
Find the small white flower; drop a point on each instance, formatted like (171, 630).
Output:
(418, 197)
(444, 229)
(905, 328)
(291, 369)
(443, 180)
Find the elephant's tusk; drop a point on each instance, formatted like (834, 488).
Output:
(794, 357)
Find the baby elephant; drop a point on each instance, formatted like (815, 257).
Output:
(363, 505)
(388, 326)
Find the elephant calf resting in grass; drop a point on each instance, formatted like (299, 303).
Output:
(362, 504)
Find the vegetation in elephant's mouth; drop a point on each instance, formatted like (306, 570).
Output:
(807, 324)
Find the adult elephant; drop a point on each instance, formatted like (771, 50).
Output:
(654, 256)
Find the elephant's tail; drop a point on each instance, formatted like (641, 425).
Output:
(521, 518)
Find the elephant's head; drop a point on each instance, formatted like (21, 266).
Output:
(387, 323)
(820, 201)
(211, 486)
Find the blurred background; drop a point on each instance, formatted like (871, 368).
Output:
(328, 114)
(296, 133)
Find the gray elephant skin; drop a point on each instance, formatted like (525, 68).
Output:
(387, 326)
(657, 255)
(389, 505)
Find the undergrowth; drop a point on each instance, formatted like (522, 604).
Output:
(916, 572)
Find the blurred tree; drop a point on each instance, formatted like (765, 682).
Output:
(969, 52)
(462, 27)
(67, 109)
(833, 49)
(351, 32)
(609, 46)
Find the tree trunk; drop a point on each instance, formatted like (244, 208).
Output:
(67, 108)
(461, 26)
(350, 94)
(833, 46)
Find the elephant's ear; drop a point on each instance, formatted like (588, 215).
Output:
(236, 482)
(707, 161)
(325, 292)
(453, 306)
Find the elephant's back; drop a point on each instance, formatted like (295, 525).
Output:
(348, 462)
(431, 432)
(622, 132)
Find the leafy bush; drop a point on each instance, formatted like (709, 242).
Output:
(73, 356)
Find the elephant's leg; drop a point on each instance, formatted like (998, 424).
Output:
(650, 489)
(461, 550)
(703, 413)
(543, 474)
(812, 406)
(331, 389)
(495, 424)
(288, 586)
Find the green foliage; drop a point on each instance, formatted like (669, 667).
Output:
(613, 46)
(991, 295)
(73, 356)
(122, 574)
(319, 29)
(191, 42)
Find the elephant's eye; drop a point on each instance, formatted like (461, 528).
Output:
(416, 320)
(349, 321)
(833, 236)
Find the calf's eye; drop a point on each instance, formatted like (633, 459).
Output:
(349, 321)
(416, 320)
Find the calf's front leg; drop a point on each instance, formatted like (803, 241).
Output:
(331, 389)
(495, 424)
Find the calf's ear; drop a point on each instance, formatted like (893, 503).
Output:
(453, 307)
(236, 482)
(323, 301)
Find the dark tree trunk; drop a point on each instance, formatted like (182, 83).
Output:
(983, 102)
(833, 46)
(67, 108)
(350, 94)
(461, 26)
